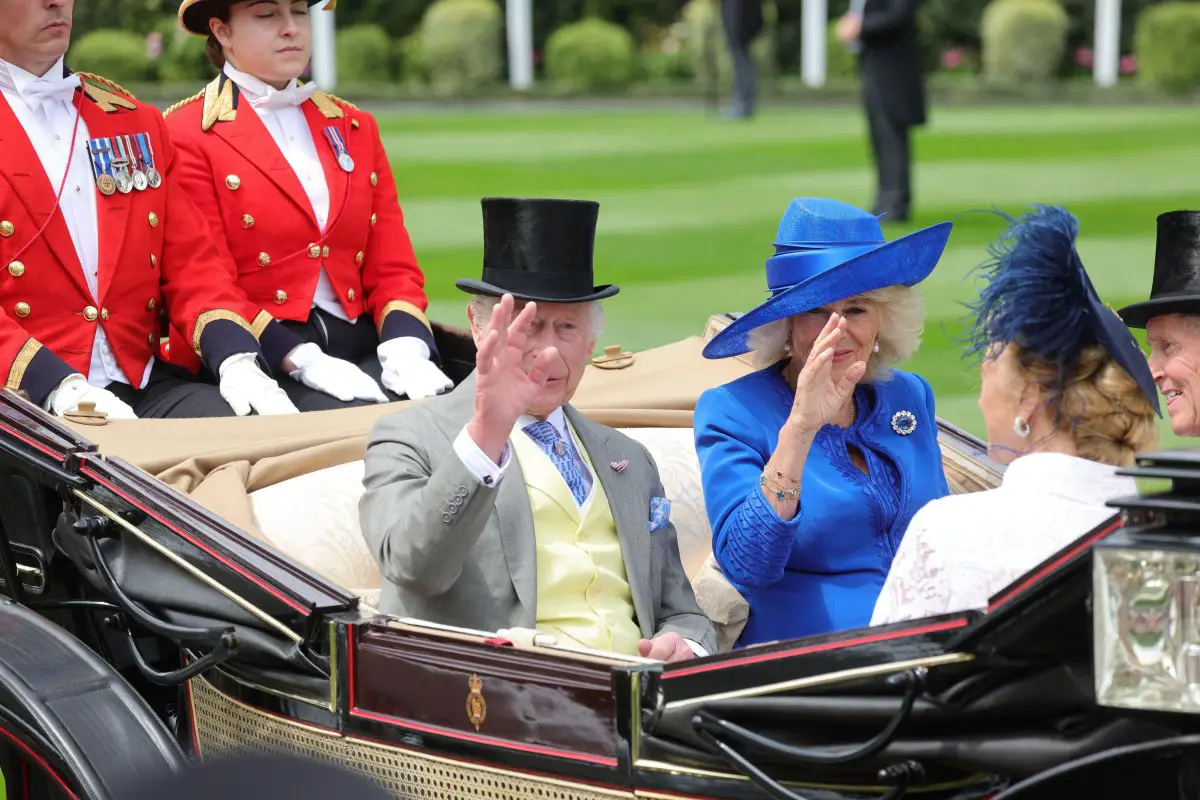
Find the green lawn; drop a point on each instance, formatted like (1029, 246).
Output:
(690, 203)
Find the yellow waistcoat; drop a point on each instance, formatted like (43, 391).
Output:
(583, 594)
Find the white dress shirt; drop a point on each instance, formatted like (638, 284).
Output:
(280, 112)
(489, 472)
(960, 551)
(49, 122)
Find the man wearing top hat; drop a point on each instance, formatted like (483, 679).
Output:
(96, 240)
(498, 506)
(1171, 317)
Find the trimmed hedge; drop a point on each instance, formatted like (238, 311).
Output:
(1167, 46)
(592, 54)
(117, 55)
(1023, 40)
(364, 54)
(461, 44)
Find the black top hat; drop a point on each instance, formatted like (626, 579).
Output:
(1176, 287)
(538, 249)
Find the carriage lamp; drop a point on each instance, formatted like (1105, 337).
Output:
(1146, 618)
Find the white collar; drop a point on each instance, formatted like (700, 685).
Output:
(556, 418)
(254, 88)
(14, 78)
(1067, 476)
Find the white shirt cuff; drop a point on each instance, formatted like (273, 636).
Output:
(696, 648)
(476, 461)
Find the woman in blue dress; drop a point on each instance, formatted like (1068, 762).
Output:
(813, 465)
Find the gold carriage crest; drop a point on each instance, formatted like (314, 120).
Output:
(476, 705)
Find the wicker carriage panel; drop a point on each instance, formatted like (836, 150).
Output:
(225, 727)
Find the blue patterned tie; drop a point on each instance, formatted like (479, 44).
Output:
(556, 447)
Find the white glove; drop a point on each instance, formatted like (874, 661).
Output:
(333, 376)
(407, 369)
(75, 389)
(245, 387)
(527, 637)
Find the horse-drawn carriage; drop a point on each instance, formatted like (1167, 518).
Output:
(196, 588)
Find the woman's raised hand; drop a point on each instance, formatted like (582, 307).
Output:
(820, 395)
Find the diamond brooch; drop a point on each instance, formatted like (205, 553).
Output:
(904, 422)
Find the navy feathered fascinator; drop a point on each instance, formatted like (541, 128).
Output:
(1037, 293)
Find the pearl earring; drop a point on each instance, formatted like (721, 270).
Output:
(1021, 428)
(875, 349)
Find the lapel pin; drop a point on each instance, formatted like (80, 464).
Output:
(619, 466)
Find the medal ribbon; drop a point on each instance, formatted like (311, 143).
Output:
(101, 152)
(336, 142)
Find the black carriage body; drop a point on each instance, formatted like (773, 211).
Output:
(220, 644)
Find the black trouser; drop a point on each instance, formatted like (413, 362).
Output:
(172, 392)
(745, 78)
(891, 147)
(351, 341)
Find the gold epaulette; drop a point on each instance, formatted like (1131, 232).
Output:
(344, 102)
(327, 104)
(104, 93)
(94, 78)
(183, 103)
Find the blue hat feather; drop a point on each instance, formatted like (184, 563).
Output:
(1037, 294)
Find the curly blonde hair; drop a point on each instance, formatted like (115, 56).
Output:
(1096, 402)
(901, 321)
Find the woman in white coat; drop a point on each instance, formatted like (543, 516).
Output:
(1067, 399)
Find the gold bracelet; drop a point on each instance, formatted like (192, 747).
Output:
(779, 492)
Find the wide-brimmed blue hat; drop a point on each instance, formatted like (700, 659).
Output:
(827, 251)
(1037, 293)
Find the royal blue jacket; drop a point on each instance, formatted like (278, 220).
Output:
(822, 570)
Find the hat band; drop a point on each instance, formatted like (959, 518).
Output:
(793, 264)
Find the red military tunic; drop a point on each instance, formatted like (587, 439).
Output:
(238, 176)
(155, 251)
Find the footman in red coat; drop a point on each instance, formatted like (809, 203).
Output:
(97, 238)
(299, 186)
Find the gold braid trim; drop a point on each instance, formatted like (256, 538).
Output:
(97, 89)
(183, 103)
(344, 102)
(100, 79)
(16, 374)
(261, 320)
(219, 104)
(405, 308)
(326, 105)
(208, 317)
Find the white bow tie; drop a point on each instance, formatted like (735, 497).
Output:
(45, 90)
(285, 98)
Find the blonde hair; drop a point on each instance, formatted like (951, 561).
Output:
(901, 321)
(1096, 402)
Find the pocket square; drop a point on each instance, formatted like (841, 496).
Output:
(660, 513)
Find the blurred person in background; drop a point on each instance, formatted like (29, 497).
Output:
(884, 35)
(743, 21)
(300, 193)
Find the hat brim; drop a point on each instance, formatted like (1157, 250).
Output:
(1138, 314)
(471, 286)
(905, 261)
(195, 14)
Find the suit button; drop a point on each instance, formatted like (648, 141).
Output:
(104, 314)
(21, 310)
(153, 220)
(151, 304)
(374, 178)
(153, 261)
(91, 314)
(16, 269)
(353, 123)
(7, 229)
(233, 182)
(325, 251)
(150, 341)
(247, 221)
(359, 257)
(374, 218)
(280, 296)
(446, 518)
(264, 259)
(350, 295)
(314, 251)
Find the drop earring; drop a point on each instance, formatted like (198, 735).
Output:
(1021, 428)
(875, 348)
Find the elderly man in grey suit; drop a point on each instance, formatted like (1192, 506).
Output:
(498, 506)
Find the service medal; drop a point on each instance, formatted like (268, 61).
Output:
(146, 149)
(124, 180)
(340, 150)
(107, 184)
(346, 162)
(101, 152)
(154, 178)
(140, 181)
